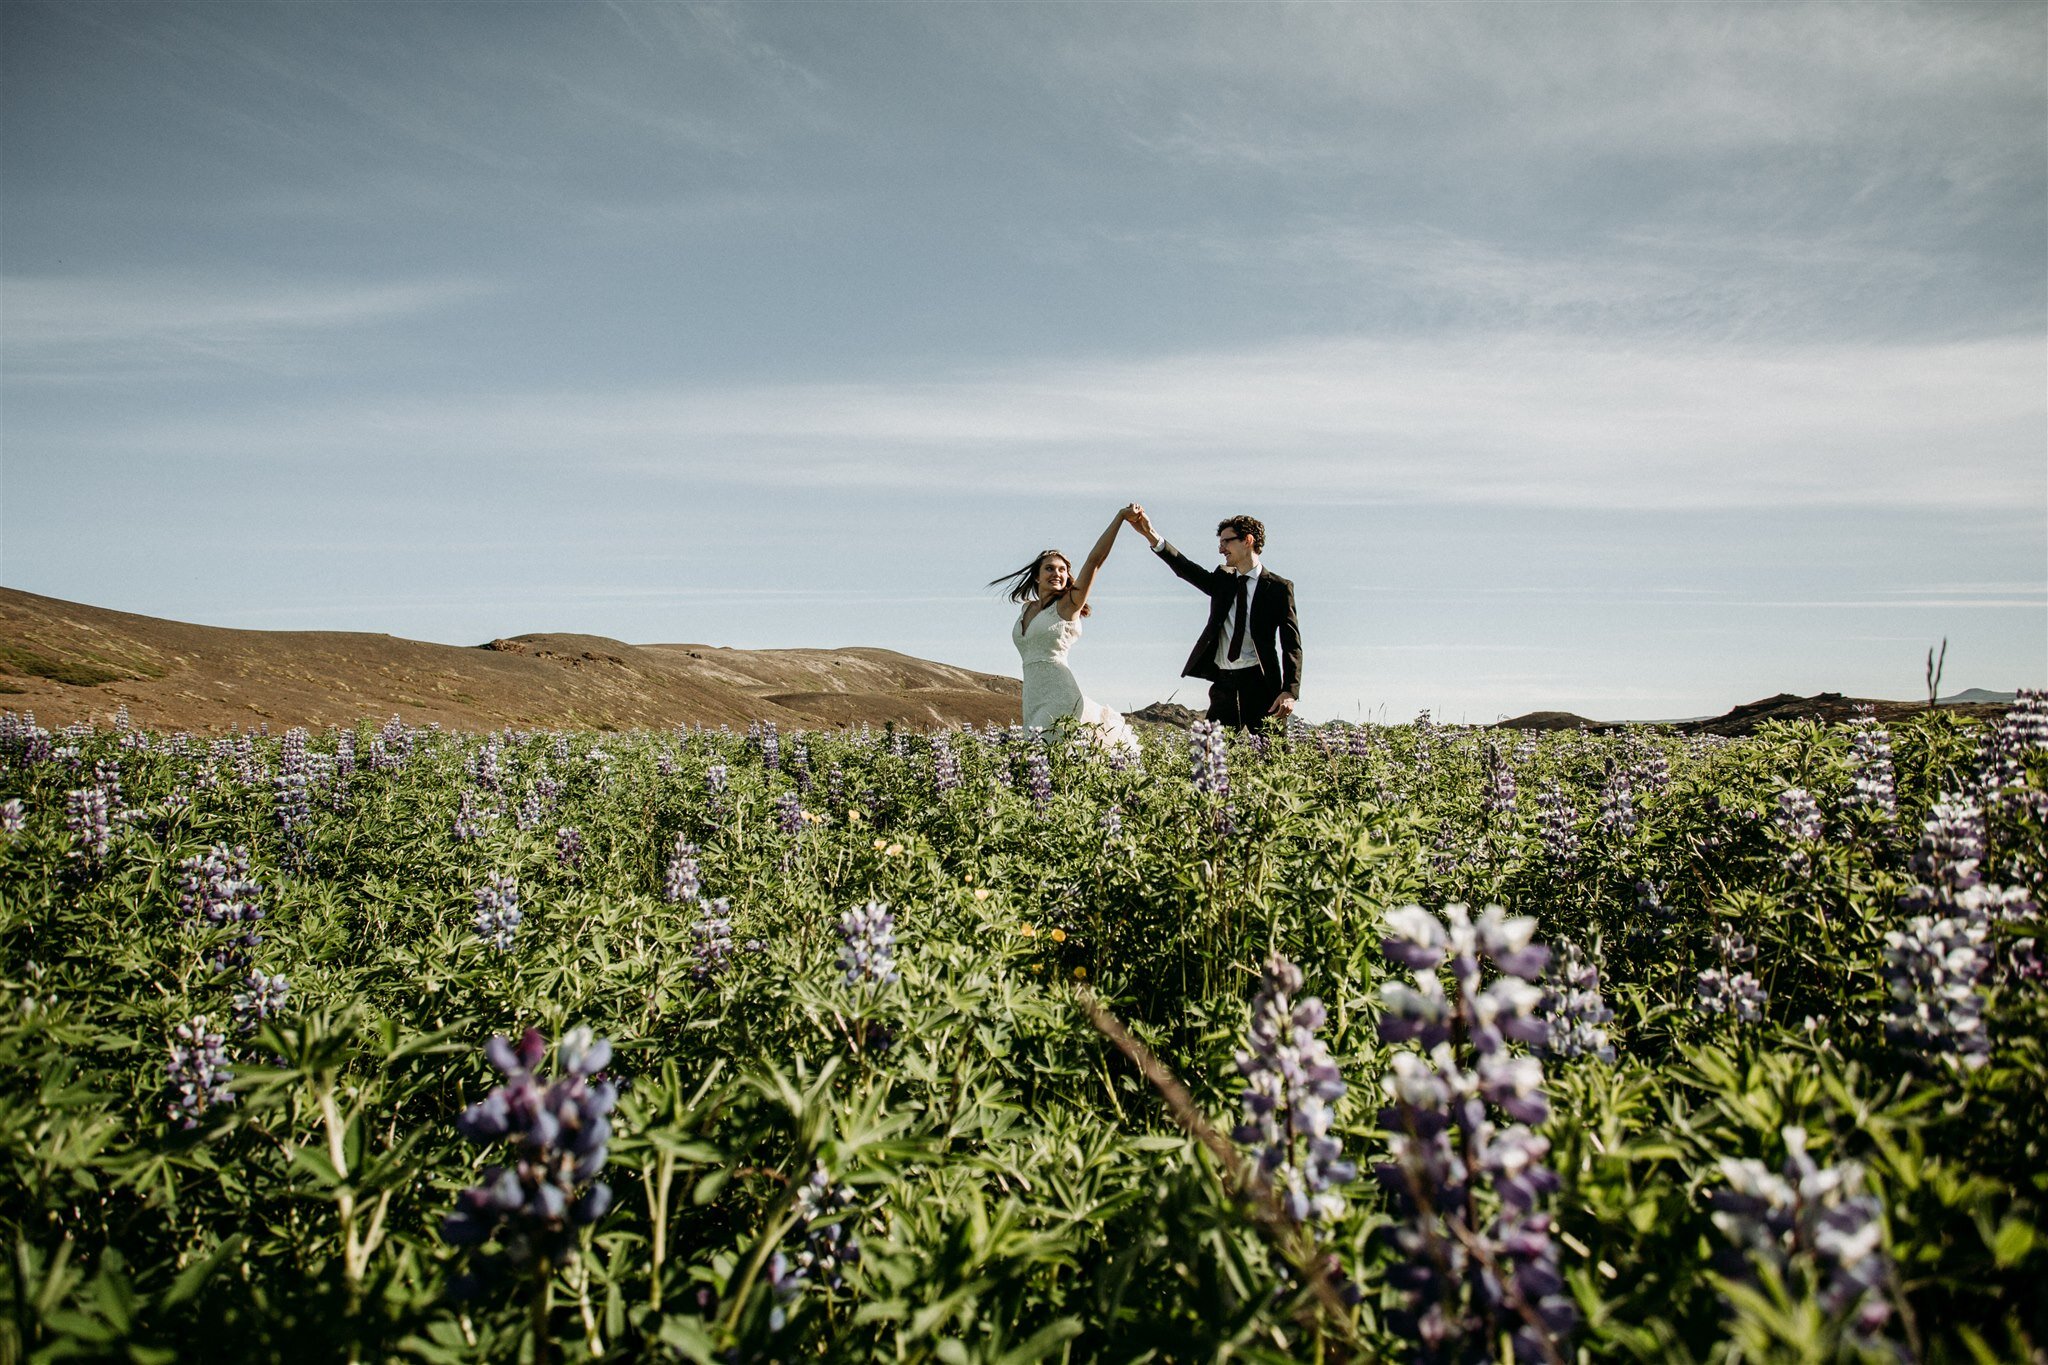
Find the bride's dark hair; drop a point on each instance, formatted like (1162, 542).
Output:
(1023, 583)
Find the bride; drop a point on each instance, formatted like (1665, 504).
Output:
(1055, 599)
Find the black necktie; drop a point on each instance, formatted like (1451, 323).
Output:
(1238, 606)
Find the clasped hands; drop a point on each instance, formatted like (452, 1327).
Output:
(1135, 515)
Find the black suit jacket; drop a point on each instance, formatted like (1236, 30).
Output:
(1273, 629)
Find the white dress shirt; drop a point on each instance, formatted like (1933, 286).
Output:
(1248, 654)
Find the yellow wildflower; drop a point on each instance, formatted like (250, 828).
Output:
(1027, 931)
(893, 851)
(881, 844)
(1059, 936)
(981, 893)
(1080, 973)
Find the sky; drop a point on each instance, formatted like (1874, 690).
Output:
(1637, 360)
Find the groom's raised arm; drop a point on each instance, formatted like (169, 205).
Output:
(1186, 568)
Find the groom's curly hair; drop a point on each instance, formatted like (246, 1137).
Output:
(1251, 528)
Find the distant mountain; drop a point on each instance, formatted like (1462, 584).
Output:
(1978, 694)
(1827, 707)
(67, 662)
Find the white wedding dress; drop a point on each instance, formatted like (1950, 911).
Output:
(1050, 689)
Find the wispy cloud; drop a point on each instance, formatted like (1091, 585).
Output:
(58, 327)
(1329, 86)
(1519, 420)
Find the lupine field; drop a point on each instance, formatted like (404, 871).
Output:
(1347, 1043)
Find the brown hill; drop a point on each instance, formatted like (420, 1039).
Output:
(68, 662)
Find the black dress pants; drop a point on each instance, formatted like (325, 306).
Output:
(1242, 697)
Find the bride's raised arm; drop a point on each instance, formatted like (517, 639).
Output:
(1076, 598)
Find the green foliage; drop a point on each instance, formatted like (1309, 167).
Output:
(1020, 1193)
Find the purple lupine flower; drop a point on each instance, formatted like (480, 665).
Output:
(829, 1245)
(1290, 1083)
(533, 810)
(1722, 990)
(1617, 818)
(13, 816)
(1798, 821)
(1038, 776)
(1209, 756)
(1815, 1219)
(1649, 770)
(835, 788)
(868, 947)
(472, 821)
(2025, 726)
(2004, 750)
(88, 816)
(1499, 797)
(249, 769)
(1651, 915)
(1875, 786)
(1425, 735)
(394, 744)
(1933, 968)
(771, 747)
(291, 750)
(682, 884)
(945, 765)
(1952, 911)
(1361, 742)
(712, 941)
(198, 1072)
(1951, 849)
(534, 1205)
(1573, 1009)
(344, 755)
(1558, 825)
(216, 888)
(262, 996)
(789, 815)
(293, 789)
(1113, 822)
(569, 846)
(1446, 1148)
(484, 767)
(497, 911)
(715, 779)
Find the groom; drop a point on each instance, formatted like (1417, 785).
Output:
(1250, 650)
